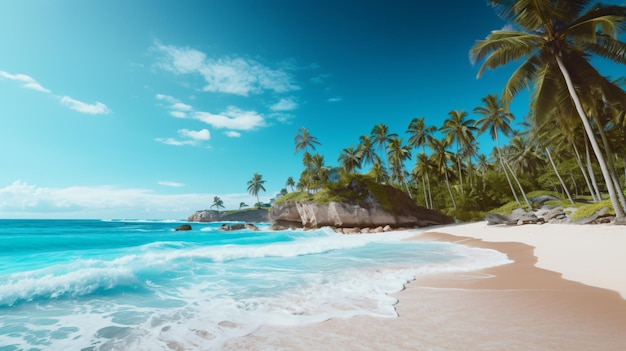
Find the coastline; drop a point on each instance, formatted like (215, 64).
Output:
(541, 301)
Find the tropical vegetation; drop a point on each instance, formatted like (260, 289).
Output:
(572, 142)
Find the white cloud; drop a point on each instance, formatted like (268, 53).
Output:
(27, 81)
(232, 134)
(93, 109)
(232, 118)
(178, 114)
(231, 75)
(195, 134)
(285, 104)
(30, 83)
(171, 184)
(170, 99)
(335, 99)
(22, 200)
(179, 106)
(174, 142)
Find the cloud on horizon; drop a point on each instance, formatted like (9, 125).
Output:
(29, 82)
(22, 200)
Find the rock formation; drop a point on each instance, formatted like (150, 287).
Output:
(366, 211)
(250, 216)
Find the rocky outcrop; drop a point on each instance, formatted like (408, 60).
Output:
(237, 226)
(363, 212)
(249, 216)
(183, 227)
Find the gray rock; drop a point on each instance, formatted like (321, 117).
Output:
(183, 227)
(496, 218)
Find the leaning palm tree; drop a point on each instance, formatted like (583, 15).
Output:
(290, 183)
(496, 119)
(557, 38)
(255, 185)
(242, 205)
(217, 203)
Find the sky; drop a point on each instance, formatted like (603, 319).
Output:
(148, 109)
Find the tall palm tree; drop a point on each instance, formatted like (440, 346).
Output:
(381, 136)
(304, 140)
(422, 168)
(496, 119)
(255, 185)
(290, 183)
(418, 133)
(350, 159)
(440, 157)
(378, 171)
(397, 154)
(217, 203)
(461, 131)
(366, 150)
(557, 37)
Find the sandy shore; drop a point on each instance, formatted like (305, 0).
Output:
(561, 293)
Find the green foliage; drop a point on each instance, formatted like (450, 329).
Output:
(588, 210)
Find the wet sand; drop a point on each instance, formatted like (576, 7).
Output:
(517, 306)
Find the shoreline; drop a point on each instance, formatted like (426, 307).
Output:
(533, 303)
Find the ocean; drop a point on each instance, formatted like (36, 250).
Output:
(139, 285)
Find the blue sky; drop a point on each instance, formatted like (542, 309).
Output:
(149, 109)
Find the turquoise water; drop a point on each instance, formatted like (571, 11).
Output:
(140, 285)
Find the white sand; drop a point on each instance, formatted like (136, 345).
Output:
(594, 255)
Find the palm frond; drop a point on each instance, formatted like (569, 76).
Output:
(611, 20)
(609, 48)
(502, 47)
(520, 79)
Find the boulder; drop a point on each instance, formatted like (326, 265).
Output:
(183, 227)
(496, 218)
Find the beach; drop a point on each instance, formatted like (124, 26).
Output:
(564, 291)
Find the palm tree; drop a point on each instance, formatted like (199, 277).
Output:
(254, 185)
(397, 154)
(217, 203)
(460, 130)
(496, 119)
(304, 140)
(378, 171)
(366, 150)
(290, 183)
(242, 205)
(350, 159)
(381, 136)
(440, 158)
(422, 168)
(418, 133)
(557, 38)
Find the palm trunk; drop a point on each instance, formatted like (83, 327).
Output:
(505, 172)
(430, 194)
(458, 162)
(425, 191)
(445, 172)
(519, 185)
(592, 174)
(582, 169)
(571, 176)
(559, 176)
(610, 163)
(620, 216)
